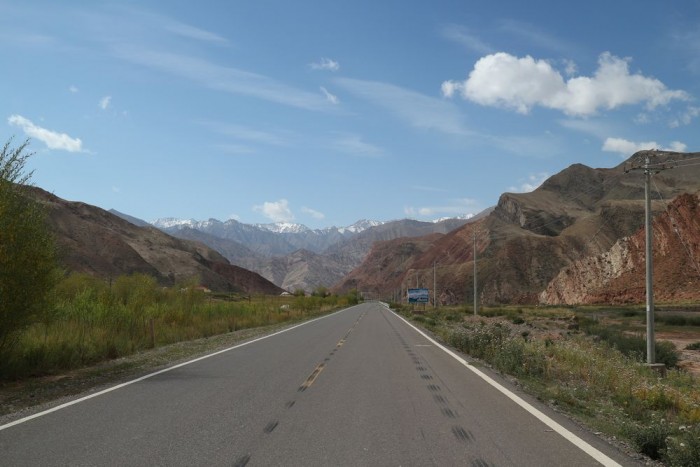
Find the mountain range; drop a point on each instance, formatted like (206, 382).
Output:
(578, 238)
(293, 256)
(540, 247)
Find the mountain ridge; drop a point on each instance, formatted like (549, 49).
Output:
(528, 239)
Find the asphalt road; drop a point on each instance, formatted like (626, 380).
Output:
(358, 387)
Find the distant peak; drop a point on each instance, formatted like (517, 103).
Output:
(284, 227)
(169, 222)
(462, 217)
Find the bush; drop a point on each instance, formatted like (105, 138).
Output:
(28, 269)
(650, 439)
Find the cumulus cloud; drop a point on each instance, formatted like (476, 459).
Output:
(313, 213)
(277, 211)
(104, 102)
(626, 148)
(331, 98)
(73, 89)
(52, 139)
(532, 182)
(503, 80)
(325, 64)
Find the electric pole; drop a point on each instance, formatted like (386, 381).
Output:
(648, 238)
(476, 295)
(434, 287)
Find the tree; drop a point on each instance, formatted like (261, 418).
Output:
(28, 271)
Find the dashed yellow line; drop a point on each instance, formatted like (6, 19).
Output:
(319, 368)
(312, 377)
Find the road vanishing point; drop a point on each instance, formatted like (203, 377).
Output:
(359, 387)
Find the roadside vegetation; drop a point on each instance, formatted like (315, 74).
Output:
(92, 320)
(51, 322)
(592, 370)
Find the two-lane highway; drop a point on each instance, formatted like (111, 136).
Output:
(358, 387)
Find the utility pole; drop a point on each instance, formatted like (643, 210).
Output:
(476, 295)
(648, 238)
(434, 287)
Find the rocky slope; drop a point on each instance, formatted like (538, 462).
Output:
(94, 241)
(529, 237)
(618, 274)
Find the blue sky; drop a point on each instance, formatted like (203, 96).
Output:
(326, 112)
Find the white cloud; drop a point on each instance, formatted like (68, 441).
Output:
(355, 146)
(277, 211)
(325, 64)
(417, 109)
(503, 80)
(222, 78)
(532, 182)
(313, 213)
(686, 117)
(462, 36)
(73, 89)
(247, 133)
(331, 98)
(104, 102)
(456, 207)
(626, 148)
(527, 33)
(52, 139)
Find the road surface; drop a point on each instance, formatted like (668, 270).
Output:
(358, 387)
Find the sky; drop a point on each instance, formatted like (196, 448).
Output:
(326, 112)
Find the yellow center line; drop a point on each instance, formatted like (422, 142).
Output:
(312, 377)
(319, 368)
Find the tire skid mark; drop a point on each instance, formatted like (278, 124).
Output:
(242, 461)
(449, 413)
(461, 434)
(480, 463)
(270, 427)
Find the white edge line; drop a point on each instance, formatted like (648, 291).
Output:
(150, 375)
(575, 440)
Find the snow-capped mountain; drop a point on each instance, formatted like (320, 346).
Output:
(359, 226)
(294, 256)
(276, 239)
(284, 227)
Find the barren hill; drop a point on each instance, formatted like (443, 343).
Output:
(94, 241)
(529, 237)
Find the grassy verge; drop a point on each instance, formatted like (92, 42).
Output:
(591, 371)
(93, 321)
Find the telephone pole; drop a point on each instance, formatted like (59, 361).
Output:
(648, 237)
(434, 287)
(476, 296)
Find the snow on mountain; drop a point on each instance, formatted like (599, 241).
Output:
(284, 227)
(359, 226)
(169, 222)
(442, 219)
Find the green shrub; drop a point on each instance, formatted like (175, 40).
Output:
(650, 439)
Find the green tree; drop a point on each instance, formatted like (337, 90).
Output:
(28, 270)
